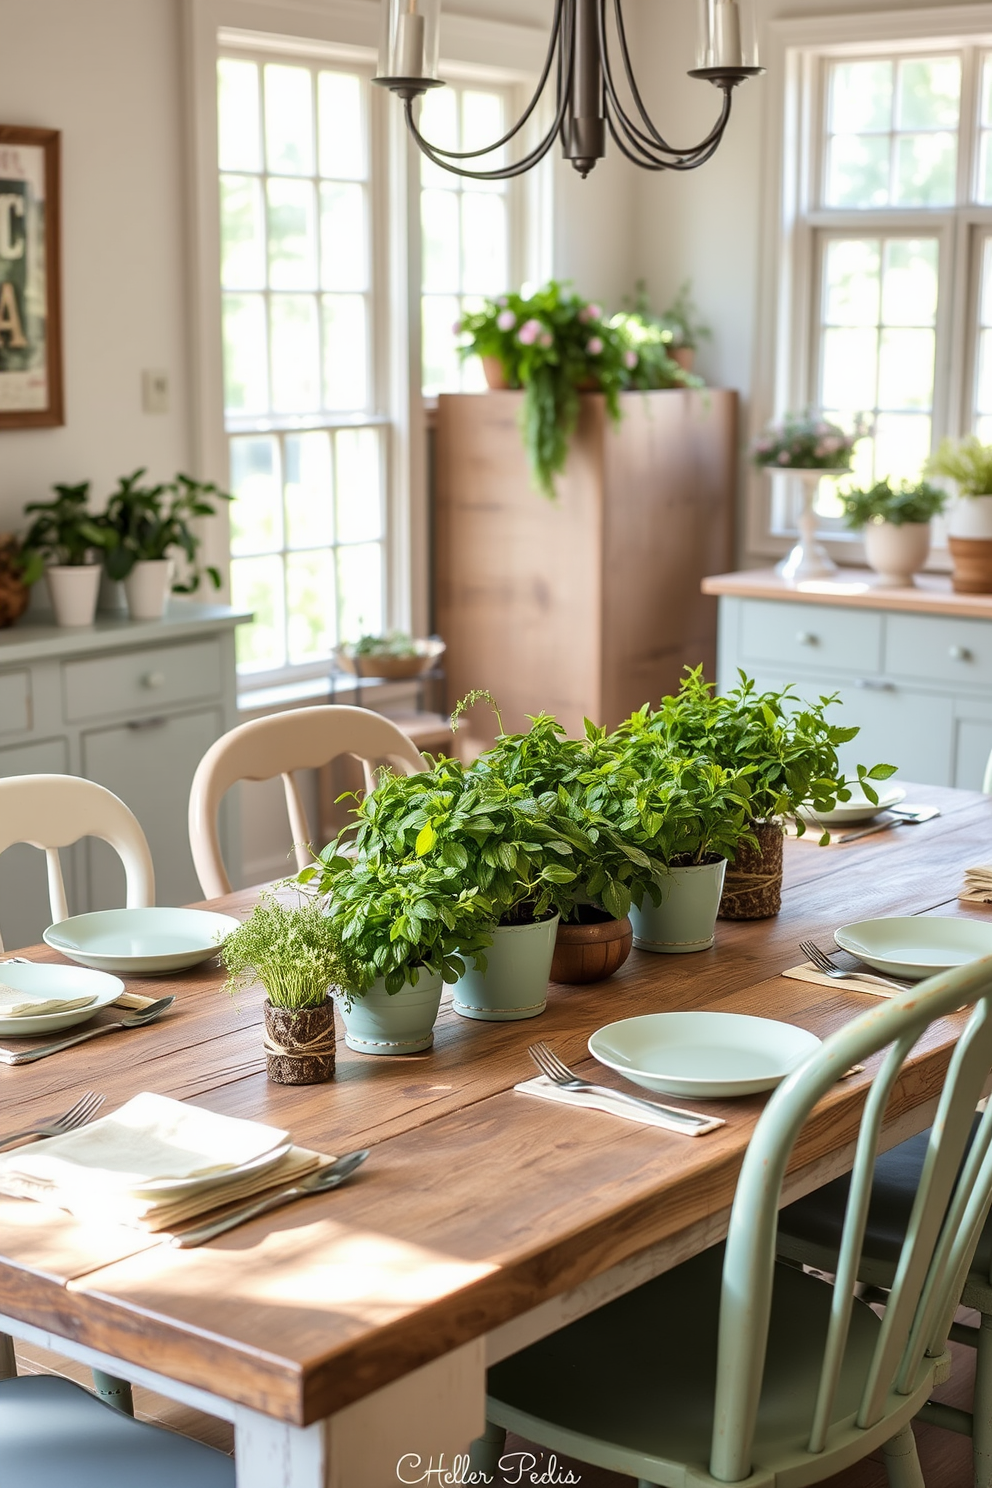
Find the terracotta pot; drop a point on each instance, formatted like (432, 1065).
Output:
(495, 376)
(591, 953)
(299, 1044)
(14, 593)
(972, 564)
(685, 356)
(753, 886)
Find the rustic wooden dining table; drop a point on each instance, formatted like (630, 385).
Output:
(347, 1336)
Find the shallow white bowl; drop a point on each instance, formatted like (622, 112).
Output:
(916, 946)
(857, 809)
(702, 1054)
(141, 942)
(56, 981)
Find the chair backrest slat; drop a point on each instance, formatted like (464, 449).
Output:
(931, 1258)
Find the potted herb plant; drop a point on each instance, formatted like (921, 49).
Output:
(810, 448)
(968, 463)
(148, 524)
(785, 749)
(405, 929)
(296, 954)
(59, 544)
(895, 521)
(682, 320)
(395, 655)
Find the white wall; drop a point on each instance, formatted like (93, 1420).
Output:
(107, 73)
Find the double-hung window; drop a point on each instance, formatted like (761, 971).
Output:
(883, 297)
(302, 386)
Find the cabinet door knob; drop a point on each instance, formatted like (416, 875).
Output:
(807, 638)
(874, 684)
(153, 680)
(959, 653)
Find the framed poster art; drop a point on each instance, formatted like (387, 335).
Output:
(30, 278)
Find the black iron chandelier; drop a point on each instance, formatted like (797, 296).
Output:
(587, 99)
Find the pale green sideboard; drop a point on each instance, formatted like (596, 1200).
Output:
(913, 667)
(134, 706)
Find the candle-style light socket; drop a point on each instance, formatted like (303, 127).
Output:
(410, 37)
(725, 37)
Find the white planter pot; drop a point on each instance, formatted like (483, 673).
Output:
(970, 516)
(515, 982)
(397, 1023)
(147, 588)
(896, 553)
(73, 590)
(685, 920)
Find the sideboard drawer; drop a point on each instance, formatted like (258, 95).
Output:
(939, 649)
(153, 678)
(811, 636)
(15, 702)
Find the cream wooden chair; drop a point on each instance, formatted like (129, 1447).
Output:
(53, 811)
(302, 739)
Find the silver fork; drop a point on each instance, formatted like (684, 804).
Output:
(822, 963)
(559, 1074)
(78, 1115)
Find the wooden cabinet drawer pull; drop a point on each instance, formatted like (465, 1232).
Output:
(807, 638)
(874, 684)
(137, 725)
(960, 653)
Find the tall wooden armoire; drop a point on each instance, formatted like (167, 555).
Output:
(590, 605)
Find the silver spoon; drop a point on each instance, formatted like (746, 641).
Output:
(321, 1181)
(127, 1020)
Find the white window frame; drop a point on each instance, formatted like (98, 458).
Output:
(797, 52)
(343, 31)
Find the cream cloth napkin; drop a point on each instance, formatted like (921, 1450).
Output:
(808, 973)
(548, 1090)
(146, 1160)
(14, 1004)
(977, 885)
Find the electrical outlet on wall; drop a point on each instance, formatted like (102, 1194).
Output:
(155, 390)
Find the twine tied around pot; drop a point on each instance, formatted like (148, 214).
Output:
(317, 1047)
(299, 1044)
(752, 889)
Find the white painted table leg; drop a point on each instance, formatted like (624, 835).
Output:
(270, 1454)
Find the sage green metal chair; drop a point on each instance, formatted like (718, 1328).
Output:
(755, 1367)
(55, 1434)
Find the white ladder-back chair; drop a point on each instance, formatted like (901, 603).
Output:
(53, 811)
(301, 739)
(756, 1368)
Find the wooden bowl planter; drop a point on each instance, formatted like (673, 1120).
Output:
(591, 952)
(392, 668)
(753, 886)
(299, 1044)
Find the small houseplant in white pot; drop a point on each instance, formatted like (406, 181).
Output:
(809, 448)
(150, 523)
(968, 463)
(405, 929)
(895, 522)
(59, 544)
(295, 953)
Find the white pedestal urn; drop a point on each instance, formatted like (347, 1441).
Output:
(896, 553)
(809, 559)
(969, 538)
(147, 588)
(392, 1023)
(73, 588)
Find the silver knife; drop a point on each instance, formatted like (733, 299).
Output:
(321, 1181)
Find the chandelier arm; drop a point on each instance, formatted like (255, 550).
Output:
(682, 159)
(642, 157)
(655, 138)
(504, 173)
(556, 25)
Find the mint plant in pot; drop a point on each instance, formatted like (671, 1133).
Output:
(895, 523)
(148, 524)
(405, 928)
(297, 956)
(59, 544)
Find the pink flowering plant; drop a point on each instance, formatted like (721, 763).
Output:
(808, 442)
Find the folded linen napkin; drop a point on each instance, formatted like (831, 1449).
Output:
(977, 885)
(15, 1004)
(151, 1153)
(808, 973)
(548, 1090)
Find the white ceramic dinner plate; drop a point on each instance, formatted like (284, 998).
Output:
(857, 809)
(141, 942)
(56, 981)
(702, 1054)
(916, 946)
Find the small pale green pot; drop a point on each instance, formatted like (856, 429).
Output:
(399, 1024)
(515, 982)
(685, 920)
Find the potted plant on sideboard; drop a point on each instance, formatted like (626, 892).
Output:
(59, 544)
(895, 523)
(148, 524)
(968, 463)
(810, 448)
